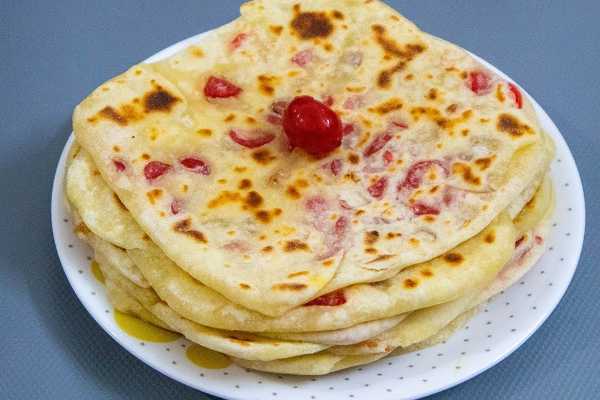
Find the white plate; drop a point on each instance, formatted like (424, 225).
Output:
(500, 328)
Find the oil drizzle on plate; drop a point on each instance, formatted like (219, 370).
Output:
(206, 358)
(143, 330)
(97, 272)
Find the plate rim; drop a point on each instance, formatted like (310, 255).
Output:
(57, 185)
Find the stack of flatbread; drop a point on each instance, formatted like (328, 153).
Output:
(205, 221)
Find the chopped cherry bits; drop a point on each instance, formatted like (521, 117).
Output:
(312, 126)
(480, 82)
(196, 165)
(155, 169)
(516, 94)
(258, 139)
(220, 88)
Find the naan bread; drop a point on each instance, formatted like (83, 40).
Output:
(436, 148)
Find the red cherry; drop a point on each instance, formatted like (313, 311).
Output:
(196, 165)
(516, 93)
(155, 169)
(480, 82)
(312, 126)
(220, 88)
(119, 165)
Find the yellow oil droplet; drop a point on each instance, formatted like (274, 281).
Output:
(97, 272)
(206, 358)
(143, 330)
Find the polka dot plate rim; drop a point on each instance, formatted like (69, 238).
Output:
(501, 326)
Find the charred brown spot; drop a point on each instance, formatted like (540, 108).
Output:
(267, 249)
(296, 274)
(454, 258)
(240, 169)
(292, 192)
(311, 25)
(490, 237)
(266, 84)
(263, 216)
(370, 250)
(245, 184)
(276, 29)
(119, 202)
(82, 228)
(411, 283)
(510, 124)
(184, 226)
(292, 286)
(154, 195)
(229, 118)
(159, 100)
(427, 273)
(116, 149)
(432, 94)
(146, 238)
(263, 157)
(337, 14)
(388, 106)
(204, 132)
(353, 158)
(467, 174)
(393, 235)
(327, 263)
(295, 245)
(244, 286)
(371, 237)
(452, 108)
(253, 199)
(110, 113)
(382, 257)
(485, 162)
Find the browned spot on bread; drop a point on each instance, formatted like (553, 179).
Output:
(337, 14)
(154, 195)
(184, 226)
(292, 192)
(392, 235)
(253, 199)
(159, 99)
(229, 118)
(294, 245)
(276, 29)
(370, 250)
(263, 157)
(267, 249)
(81, 228)
(266, 84)
(311, 25)
(224, 198)
(490, 237)
(119, 202)
(403, 53)
(454, 258)
(388, 106)
(239, 169)
(96, 172)
(291, 286)
(371, 343)
(295, 274)
(414, 242)
(432, 94)
(371, 237)
(116, 149)
(499, 94)
(110, 113)
(427, 273)
(411, 283)
(353, 158)
(145, 237)
(263, 216)
(244, 286)
(245, 184)
(204, 132)
(510, 124)
(145, 156)
(484, 162)
(382, 257)
(452, 108)
(467, 174)
(327, 263)
(358, 213)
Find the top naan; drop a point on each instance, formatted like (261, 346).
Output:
(435, 148)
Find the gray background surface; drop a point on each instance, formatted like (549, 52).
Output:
(53, 53)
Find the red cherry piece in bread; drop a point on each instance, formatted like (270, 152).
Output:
(119, 165)
(480, 82)
(388, 157)
(251, 142)
(378, 188)
(312, 126)
(155, 169)
(348, 129)
(377, 144)
(516, 93)
(220, 88)
(238, 40)
(336, 166)
(415, 173)
(423, 209)
(340, 226)
(196, 165)
(336, 298)
(303, 57)
(176, 206)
